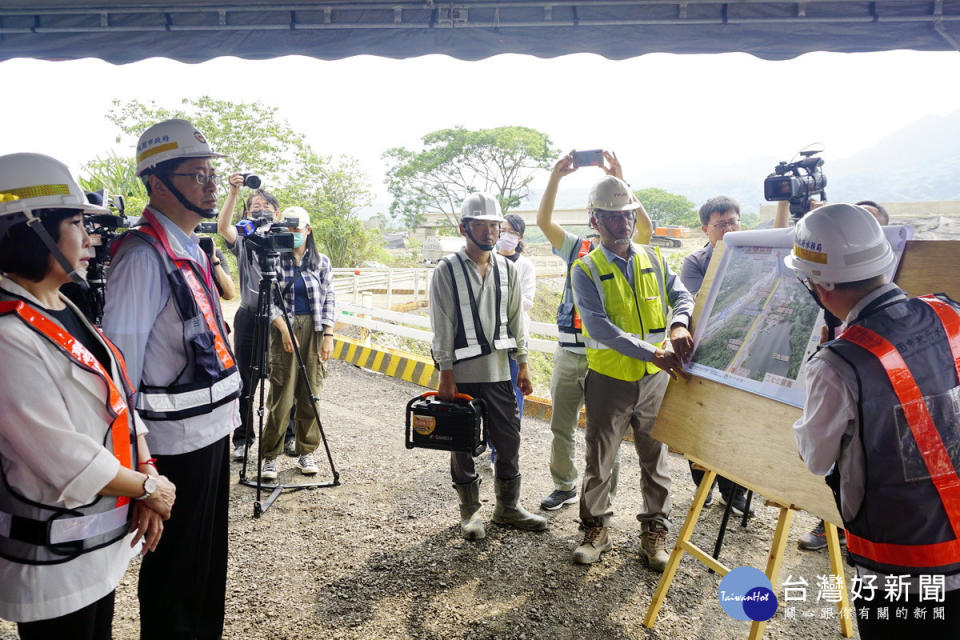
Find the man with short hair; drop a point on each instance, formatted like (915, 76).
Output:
(477, 319)
(718, 215)
(569, 358)
(163, 311)
(622, 292)
(880, 419)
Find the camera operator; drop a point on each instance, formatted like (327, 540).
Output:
(260, 204)
(306, 279)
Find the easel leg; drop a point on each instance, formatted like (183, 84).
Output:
(836, 568)
(774, 561)
(706, 484)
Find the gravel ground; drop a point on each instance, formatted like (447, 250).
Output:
(380, 555)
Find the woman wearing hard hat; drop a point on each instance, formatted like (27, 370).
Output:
(72, 449)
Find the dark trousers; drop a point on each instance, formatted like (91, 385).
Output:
(910, 626)
(243, 326)
(726, 486)
(503, 431)
(183, 583)
(93, 622)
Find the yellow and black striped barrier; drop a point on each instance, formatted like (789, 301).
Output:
(397, 364)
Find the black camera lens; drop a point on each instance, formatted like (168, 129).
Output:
(251, 180)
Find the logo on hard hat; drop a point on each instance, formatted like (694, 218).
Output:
(199, 137)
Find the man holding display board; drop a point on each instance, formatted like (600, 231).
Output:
(881, 419)
(622, 291)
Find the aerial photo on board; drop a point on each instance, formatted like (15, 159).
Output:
(760, 326)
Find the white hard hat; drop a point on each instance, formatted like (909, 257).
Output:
(839, 243)
(481, 206)
(612, 194)
(299, 213)
(170, 140)
(32, 181)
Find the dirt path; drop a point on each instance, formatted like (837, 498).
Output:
(380, 556)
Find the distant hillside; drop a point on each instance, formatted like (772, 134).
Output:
(918, 162)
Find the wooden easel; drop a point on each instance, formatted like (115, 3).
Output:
(774, 559)
(703, 420)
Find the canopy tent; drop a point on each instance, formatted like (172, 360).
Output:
(121, 31)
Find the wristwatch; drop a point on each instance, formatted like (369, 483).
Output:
(149, 487)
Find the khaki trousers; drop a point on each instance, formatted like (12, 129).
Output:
(612, 406)
(566, 395)
(287, 387)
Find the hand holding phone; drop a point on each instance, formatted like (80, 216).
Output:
(591, 158)
(206, 243)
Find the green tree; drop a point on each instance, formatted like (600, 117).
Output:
(668, 208)
(256, 139)
(456, 162)
(115, 175)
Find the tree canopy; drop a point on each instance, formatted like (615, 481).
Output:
(456, 162)
(255, 140)
(668, 208)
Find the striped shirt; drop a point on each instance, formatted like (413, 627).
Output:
(319, 285)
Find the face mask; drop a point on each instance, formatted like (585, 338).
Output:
(298, 239)
(508, 242)
(261, 213)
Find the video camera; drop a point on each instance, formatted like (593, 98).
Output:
(268, 236)
(797, 180)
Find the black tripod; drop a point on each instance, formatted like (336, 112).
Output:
(260, 368)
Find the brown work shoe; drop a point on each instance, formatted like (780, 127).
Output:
(653, 547)
(595, 542)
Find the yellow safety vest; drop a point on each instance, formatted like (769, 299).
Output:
(640, 310)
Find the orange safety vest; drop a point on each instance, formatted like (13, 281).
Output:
(211, 378)
(943, 474)
(45, 534)
(569, 326)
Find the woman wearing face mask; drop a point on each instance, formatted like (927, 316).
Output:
(260, 204)
(511, 247)
(79, 487)
(306, 280)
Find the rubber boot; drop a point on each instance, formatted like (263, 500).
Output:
(509, 511)
(471, 526)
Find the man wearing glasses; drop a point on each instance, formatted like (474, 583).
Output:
(717, 216)
(622, 292)
(163, 311)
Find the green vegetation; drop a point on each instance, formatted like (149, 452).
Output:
(668, 208)
(455, 162)
(255, 139)
(715, 352)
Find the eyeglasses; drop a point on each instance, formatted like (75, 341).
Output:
(201, 178)
(726, 224)
(626, 216)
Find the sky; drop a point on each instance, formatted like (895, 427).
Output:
(655, 111)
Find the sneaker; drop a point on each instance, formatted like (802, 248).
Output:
(307, 465)
(653, 547)
(269, 469)
(559, 498)
(709, 500)
(739, 501)
(238, 453)
(290, 448)
(816, 539)
(595, 542)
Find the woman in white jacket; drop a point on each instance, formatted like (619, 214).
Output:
(511, 247)
(72, 450)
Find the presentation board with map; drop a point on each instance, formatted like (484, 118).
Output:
(759, 323)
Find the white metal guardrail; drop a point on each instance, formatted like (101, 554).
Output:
(406, 325)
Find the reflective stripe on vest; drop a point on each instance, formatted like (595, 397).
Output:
(470, 341)
(28, 539)
(211, 378)
(569, 325)
(943, 474)
(646, 321)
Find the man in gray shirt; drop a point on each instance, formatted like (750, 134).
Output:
(477, 320)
